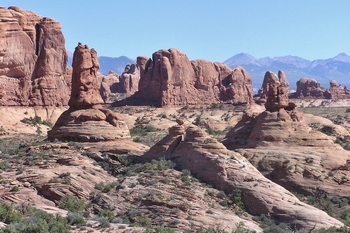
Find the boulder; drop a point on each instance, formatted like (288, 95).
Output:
(33, 59)
(86, 120)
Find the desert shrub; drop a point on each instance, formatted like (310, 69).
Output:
(71, 203)
(214, 132)
(104, 223)
(236, 197)
(108, 214)
(160, 229)
(8, 213)
(76, 218)
(41, 222)
(34, 121)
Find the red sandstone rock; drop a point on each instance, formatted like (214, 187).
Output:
(86, 120)
(33, 59)
(109, 86)
(309, 88)
(129, 80)
(170, 79)
(210, 161)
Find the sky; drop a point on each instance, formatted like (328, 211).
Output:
(202, 29)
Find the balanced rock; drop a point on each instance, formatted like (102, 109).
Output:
(33, 59)
(170, 79)
(86, 120)
(210, 161)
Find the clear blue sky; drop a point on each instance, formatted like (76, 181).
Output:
(203, 29)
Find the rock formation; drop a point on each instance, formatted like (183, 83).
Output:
(86, 120)
(170, 79)
(286, 150)
(336, 91)
(270, 78)
(129, 80)
(210, 161)
(33, 59)
(309, 88)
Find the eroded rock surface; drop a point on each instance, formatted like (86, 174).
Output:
(33, 59)
(285, 149)
(227, 170)
(86, 120)
(170, 79)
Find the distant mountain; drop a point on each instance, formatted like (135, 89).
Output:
(117, 64)
(295, 68)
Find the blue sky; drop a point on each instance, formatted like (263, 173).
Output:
(203, 29)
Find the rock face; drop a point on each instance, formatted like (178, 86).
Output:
(129, 80)
(33, 59)
(86, 120)
(285, 149)
(227, 170)
(170, 79)
(109, 86)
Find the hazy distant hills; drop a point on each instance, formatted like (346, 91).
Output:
(323, 70)
(117, 64)
(295, 68)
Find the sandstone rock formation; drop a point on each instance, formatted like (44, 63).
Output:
(86, 120)
(336, 91)
(286, 150)
(33, 59)
(210, 161)
(170, 79)
(270, 78)
(309, 88)
(129, 80)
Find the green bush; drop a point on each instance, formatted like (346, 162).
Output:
(8, 214)
(71, 203)
(39, 222)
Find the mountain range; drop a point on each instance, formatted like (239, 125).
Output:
(295, 68)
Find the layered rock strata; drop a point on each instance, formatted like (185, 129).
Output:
(210, 161)
(33, 60)
(286, 150)
(170, 79)
(86, 120)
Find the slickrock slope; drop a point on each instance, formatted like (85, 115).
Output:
(33, 60)
(210, 161)
(86, 120)
(287, 151)
(170, 79)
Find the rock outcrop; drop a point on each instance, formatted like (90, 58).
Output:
(309, 88)
(33, 60)
(210, 161)
(170, 79)
(109, 86)
(286, 150)
(336, 91)
(86, 120)
(129, 80)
